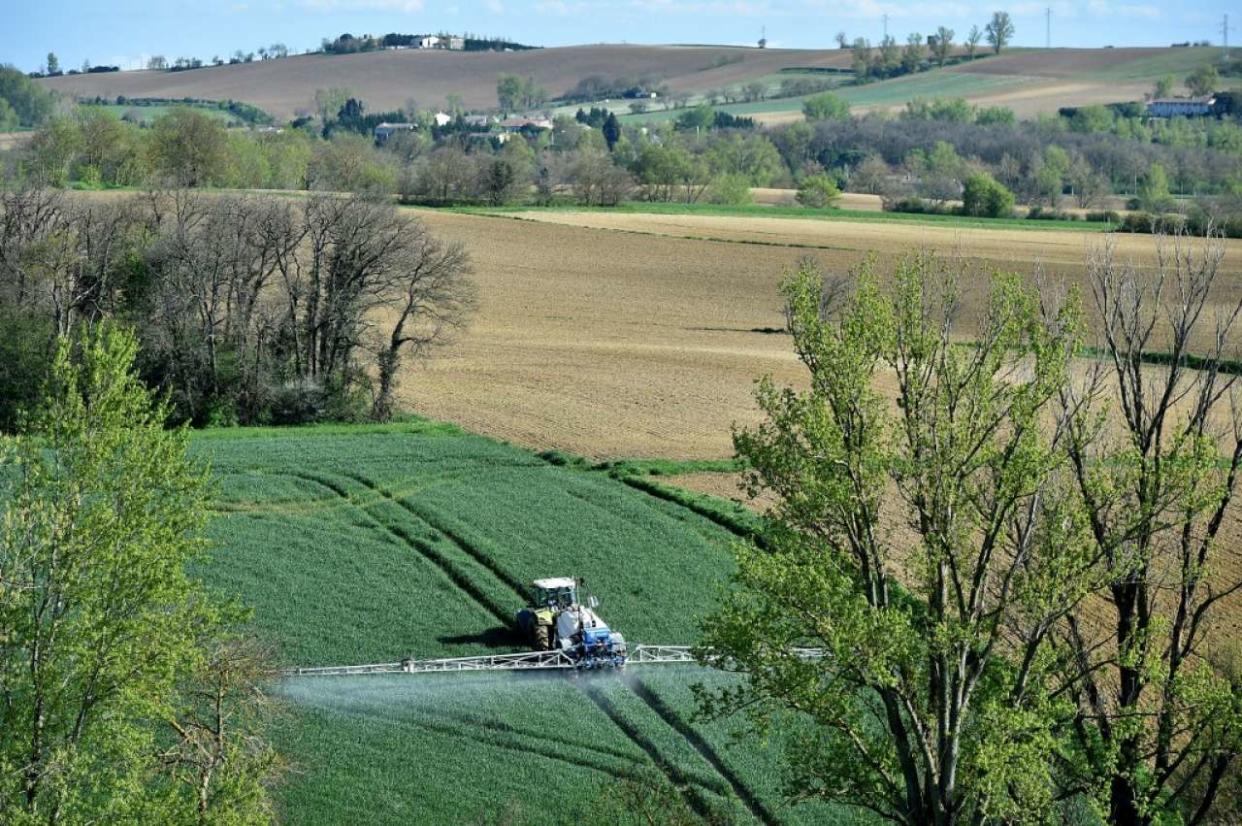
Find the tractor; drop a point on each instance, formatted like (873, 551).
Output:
(556, 621)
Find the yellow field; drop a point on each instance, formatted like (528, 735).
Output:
(613, 335)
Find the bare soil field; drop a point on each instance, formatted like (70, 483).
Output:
(389, 79)
(621, 335)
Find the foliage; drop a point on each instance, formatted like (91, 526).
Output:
(189, 148)
(916, 714)
(982, 195)
(1203, 81)
(1153, 194)
(817, 192)
(1162, 738)
(825, 106)
(30, 103)
(516, 93)
(99, 620)
(999, 30)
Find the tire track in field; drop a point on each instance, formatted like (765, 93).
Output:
(423, 549)
(603, 751)
(548, 752)
(705, 750)
(684, 785)
(484, 561)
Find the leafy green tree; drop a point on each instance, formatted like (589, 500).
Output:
(825, 106)
(999, 30)
(982, 195)
(53, 149)
(889, 57)
(509, 90)
(942, 46)
(1203, 81)
(351, 163)
(100, 513)
(8, 117)
(913, 713)
(53, 64)
(32, 103)
(1164, 87)
(1050, 177)
(732, 189)
(1092, 119)
(860, 59)
(972, 41)
(752, 157)
(817, 192)
(912, 53)
(670, 172)
(189, 147)
(995, 116)
(1153, 194)
(329, 101)
(611, 130)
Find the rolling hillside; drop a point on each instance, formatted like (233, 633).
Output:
(387, 80)
(1030, 81)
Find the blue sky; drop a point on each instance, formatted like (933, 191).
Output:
(125, 32)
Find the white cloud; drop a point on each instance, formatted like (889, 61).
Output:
(495, 6)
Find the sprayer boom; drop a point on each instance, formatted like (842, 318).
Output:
(524, 661)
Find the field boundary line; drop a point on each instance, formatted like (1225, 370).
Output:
(663, 493)
(795, 245)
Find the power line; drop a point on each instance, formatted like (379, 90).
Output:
(886, 27)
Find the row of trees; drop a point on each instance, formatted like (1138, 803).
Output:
(249, 309)
(889, 58)
(1081, 156)
(1012, 569)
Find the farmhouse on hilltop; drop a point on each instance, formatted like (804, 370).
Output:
(439, 41)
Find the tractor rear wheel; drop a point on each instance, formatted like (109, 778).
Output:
(543, 641)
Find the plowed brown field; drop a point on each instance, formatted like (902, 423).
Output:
(613, 335)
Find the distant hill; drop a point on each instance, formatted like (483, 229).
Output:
(388, 79)
(1030, 81)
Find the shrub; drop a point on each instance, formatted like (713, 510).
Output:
(982, 195)
(818, 192)
(1042, 213)
(733, 190)
(826, 106)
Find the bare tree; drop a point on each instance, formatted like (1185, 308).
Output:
(219, 752)
(435, 299)
(361, 258)
(1160, 723)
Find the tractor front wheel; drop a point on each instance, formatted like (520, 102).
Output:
(543, 638)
